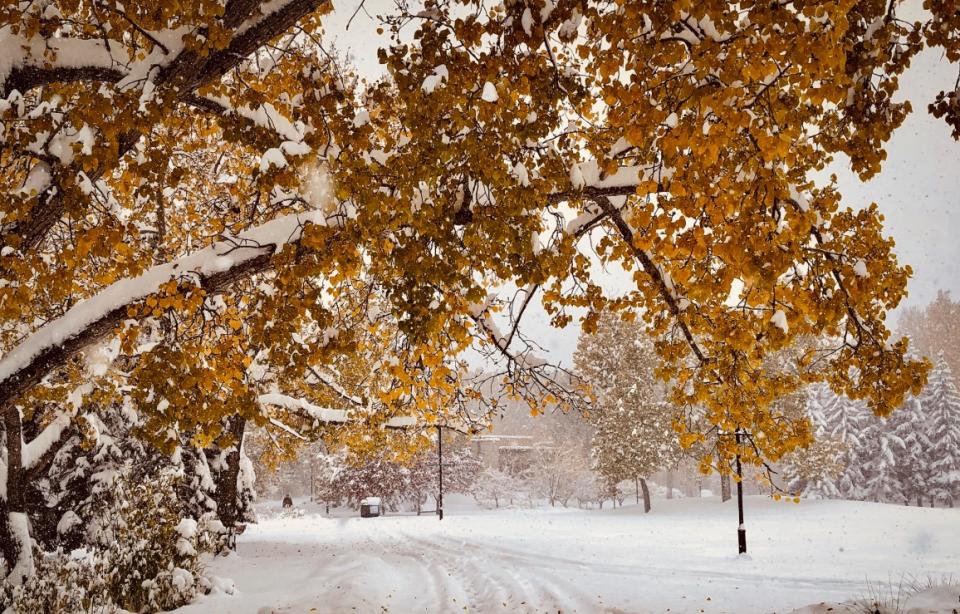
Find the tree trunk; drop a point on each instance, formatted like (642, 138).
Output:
(725, 487)
(17, 546)
(670, 484)
(636, 484)
(227, 509)
(646, 496)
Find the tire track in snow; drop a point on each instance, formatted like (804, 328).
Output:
(501, 587)
(633, 571)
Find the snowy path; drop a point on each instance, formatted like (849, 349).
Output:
(680, 558)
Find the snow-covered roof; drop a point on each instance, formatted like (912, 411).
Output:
(500, 437)
(371, 501)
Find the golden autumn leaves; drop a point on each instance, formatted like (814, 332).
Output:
(692, 128)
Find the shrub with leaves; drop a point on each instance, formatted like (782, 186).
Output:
(147, 557)
(63, 583)
(155, 556)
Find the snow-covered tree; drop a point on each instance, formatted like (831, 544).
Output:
(880, 452)
(941, 404)
(349, 478)
(202, 183)
(846, 423)
(496, 488)
(633, 438)
(908, 424)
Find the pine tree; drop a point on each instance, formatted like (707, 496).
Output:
(908, 424)
(883, 450)
(941, 403)
(814, 471)
(846, 420)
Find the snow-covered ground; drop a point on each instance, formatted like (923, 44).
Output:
(679, 558)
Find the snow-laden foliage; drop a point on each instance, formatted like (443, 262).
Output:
(205, 192)
(911, 457)
(941, 402)
(634, 434)
(146, 557)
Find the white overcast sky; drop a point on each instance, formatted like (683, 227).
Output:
(918, 190)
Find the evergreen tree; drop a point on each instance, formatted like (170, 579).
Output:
(908, 425)
(883, 450)
(941, 402)
(846, 421)
(815, 470)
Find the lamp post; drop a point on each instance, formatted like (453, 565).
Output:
(440, 467)
(741, 529)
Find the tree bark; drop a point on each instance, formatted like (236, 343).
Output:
(725, 488)
(646, 496)
(41, 365)
(669, 484)
(17, 546)
(226, 492)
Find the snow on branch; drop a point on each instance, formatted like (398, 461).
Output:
(328, 381)
(326, 415)
(91, 319)
(42, 443)
(29, 63)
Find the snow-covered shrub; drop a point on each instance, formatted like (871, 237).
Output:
(154, 558)
(148, 558)
(495, 488)
(63, 583)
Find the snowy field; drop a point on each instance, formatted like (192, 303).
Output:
(679, 558)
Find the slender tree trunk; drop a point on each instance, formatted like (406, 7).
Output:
(670, 484)
(636, 484)
(17, 546)
(646, 496)
(725, 487)
(227, 509)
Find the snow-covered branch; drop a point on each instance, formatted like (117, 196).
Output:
(326, 415)
(213, 268)
(42, 443)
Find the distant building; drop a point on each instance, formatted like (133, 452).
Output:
(511, 454)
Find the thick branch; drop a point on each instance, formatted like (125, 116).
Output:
(185, 73)
(33, 372)
(651, 269)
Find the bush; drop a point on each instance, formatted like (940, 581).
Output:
(150, 563)
(62, 583)
(155, 556)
